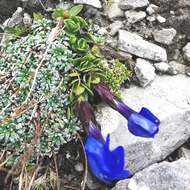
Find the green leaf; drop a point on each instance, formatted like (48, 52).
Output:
(96, 80)
(75, 10)
(74, 74)
(59, 12)
(18, 30)
(82, 45)
(74, 81)
(71, 27)
(73, 39)
(37, 16)
(88, 89)
(79, 90)
(80, 21)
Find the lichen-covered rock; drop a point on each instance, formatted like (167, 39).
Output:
(161, 176)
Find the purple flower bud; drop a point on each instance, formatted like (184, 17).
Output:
(105, 94)
(87, 118)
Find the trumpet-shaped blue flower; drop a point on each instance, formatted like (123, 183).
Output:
(106, 165)
(142, 124)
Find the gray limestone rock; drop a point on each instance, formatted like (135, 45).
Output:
(184, 152)
(161, 19)
(27, 20)
(114, 11)
(17, 18)
(169, 99)
(94, 3)
(161, 176)
(165, 36)
(186, 52)
(151, 9)
(134, 16)
(133, 4)
(184, 3)
(177, 67)
(136, 45)
(115, 27)
(144, 71)
(162, 67)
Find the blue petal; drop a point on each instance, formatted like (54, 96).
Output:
(116, 159)
(140, 126)
(119, 176)
(106, 165)
(92, 145)
(149, 115)
(99, 168)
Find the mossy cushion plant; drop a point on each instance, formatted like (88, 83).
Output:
(44, 74)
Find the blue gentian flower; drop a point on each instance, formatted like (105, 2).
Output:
(142, 124)
(106, 165)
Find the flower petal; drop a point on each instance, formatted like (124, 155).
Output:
(140, 126)
(149, 115)
(119, 176)
(116, 160)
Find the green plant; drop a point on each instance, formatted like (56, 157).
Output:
(44, 74)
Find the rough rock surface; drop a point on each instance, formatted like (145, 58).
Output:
(169, 99)
(133, 4)
(161, 19)
(177, 67)
(134, 44)
(114, 11)
(161, 176)
(17, 18)
(151, 9)
(115, 27)
(134, 16)
(186, 51)
(165, 36)
(144, 71)
(184, 152)
(94, 3)
(162, 67)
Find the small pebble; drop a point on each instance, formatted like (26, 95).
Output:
(79, 167)
(151, 9)
(160, 19)
(151, 18)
